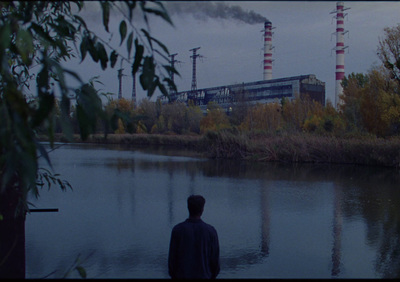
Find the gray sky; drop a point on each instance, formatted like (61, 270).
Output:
(232, 49)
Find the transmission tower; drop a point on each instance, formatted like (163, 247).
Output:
(171, 74)
(194, 57)
(120, 75)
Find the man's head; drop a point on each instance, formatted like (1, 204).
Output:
(195, 205)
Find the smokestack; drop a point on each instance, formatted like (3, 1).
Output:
(268, 50)
(340, 31)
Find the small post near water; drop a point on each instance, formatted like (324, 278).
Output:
(44, 210)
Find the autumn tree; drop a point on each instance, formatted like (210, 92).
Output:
(324, 119)
(123, 116)
(389, 52)
(353, 89)
(194, 116)
(150, 111)
(263, 117)
(371, 103)
(215, 119)
(173, 118)
(295, 112)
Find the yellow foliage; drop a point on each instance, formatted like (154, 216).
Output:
(141, 128)
(216, 119)
(264, 117)
(120, 129)
(312, 123)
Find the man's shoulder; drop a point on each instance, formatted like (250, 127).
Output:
(211, 227)
(190, 222)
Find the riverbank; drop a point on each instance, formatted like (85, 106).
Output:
(288, 148)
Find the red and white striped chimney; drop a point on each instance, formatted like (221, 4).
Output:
(268, 50)
(340, 31)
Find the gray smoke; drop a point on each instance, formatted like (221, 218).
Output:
(217, 10)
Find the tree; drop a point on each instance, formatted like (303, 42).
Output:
(194, 115)
(264, 117)
(389, 52)
(122, 115)
(216, 119)
(295, 112)
(174, 117)
(148, 110)
(371, 102)
(353, 89)
(45, 34)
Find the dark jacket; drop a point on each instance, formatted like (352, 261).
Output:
(193, 250)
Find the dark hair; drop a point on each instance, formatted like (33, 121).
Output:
(196, 205)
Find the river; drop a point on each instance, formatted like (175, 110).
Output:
(273, 220)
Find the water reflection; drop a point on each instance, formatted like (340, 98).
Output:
(273, 220)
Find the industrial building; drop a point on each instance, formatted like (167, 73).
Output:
(263, 91)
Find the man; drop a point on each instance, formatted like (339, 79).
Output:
(194, 246)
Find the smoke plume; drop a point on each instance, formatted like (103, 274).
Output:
(217, 10)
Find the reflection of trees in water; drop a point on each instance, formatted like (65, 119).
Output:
(367, 192)
(378, 202)
(241, 258)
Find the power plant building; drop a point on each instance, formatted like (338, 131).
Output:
(264, 91)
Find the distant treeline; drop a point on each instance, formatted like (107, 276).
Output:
(364, 129)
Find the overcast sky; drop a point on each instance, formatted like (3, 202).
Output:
(232, 46)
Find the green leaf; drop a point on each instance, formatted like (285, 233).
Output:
(84, 47)
(106, 13)
(79, 19)
(161, 13)
(152, 87)
(102, 54)
(113, 58)
(81, 271)
(148, 73)
(162, 88)
(122, 31)
(92, 49)
(46, 104)
(89, 107)
(45, 38)
(138, 57)
(171, 70)
(129, 44)
(148, 37)
(43, 152)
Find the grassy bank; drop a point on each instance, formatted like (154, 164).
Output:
(294, 148)
(305, 148)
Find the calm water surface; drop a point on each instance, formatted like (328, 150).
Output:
(273, 221)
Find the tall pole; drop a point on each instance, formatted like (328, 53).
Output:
(120, 83)
(340, 31)
(194, 57)
(172, 62)
(134, 88)
(268, 50)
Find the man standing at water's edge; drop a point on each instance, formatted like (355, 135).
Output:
(194, 245)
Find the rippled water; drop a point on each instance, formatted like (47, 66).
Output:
(273, 221)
